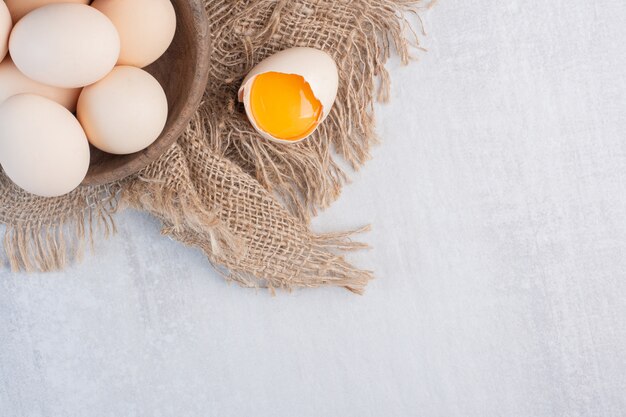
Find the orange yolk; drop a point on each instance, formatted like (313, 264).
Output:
(284, 106)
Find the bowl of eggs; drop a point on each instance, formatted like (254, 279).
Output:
(93, 91)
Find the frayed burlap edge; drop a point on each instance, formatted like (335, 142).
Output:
(52, 242)
(211, 204)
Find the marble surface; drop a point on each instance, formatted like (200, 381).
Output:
(499, 241)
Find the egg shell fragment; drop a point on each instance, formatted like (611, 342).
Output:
(19, 8)
(5, 29)
(124, 112)
(65, 45)
(146, 28)
(43, 148)
(317, 68)
(13, 82)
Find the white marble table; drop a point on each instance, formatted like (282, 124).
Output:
(500, 249)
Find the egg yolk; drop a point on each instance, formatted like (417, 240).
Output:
(284, 106)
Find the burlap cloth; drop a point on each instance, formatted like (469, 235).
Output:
(243, 200)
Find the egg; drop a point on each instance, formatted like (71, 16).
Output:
(5, 29)
(43, 148)
(19, 8)
(13, 82)
(287, 95)
(146, 28)
(124, 112)
(65, 45)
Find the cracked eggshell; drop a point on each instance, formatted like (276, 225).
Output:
(317, 68)
(6, 25)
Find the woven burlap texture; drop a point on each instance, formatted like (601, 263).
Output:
(243, 200)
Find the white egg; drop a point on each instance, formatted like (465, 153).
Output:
(146, 28)
(124, 112)
(20, 8)
(13, 82)
(316, 67)
(43, 148)
(65, 45)
(6, 25)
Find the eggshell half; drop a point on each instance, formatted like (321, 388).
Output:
(13, 82)
(65, 45)
(317, 68)
(19, 8)
(5, 29)
(43, 148)
(146, 28)
(124, 112)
